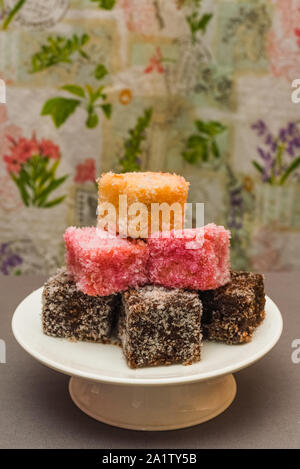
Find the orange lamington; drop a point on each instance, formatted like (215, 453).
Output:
(142, 188)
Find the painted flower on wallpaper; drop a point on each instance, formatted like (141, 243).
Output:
(6, 128)
(133, 144)
(203, 146)
(196, 70)
(283, 40)
(10, 262)
(86, 171)
(155, 62)
(141, 16)
(125, 96)
(244, 32)
(279, 155)
(240, 206)
(66, 50)
(211, 81)
(89, 98)
(9, 196)
(196, 20)
(32, 165)
(58, 49)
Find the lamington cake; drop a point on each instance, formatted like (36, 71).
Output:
(142, 188)
(232, 312)
(196, 258)
(69, 313)
(103, 264)
(160, 326)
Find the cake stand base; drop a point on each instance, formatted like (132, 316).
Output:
(153, 408)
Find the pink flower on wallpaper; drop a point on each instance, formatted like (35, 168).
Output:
(140, 15)
(283, 40)
(29, 164)
(8, 133)
(6, 130)
(48, 148)
(9, 196)
(155, 62)
(86, 171)
(21, 150)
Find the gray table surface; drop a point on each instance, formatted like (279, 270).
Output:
(37, 412)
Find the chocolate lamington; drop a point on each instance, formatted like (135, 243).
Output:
(232, 312)
(160, 326)
(69, 313)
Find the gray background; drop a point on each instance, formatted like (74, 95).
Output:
(37, 412)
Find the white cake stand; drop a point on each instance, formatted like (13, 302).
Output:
(160, 398)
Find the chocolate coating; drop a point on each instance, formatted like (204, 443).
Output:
(69, 313)
(232, 312)
(160, 326)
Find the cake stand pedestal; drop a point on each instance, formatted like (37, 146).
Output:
(153, 407)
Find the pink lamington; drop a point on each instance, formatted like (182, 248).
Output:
(195, 258)
(103, 264)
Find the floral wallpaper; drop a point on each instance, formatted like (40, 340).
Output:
(198, 87)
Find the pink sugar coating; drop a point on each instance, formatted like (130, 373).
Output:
(199, 259)
(103, 264)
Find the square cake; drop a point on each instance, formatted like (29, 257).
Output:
(196, 258)
(142, 188)
(102, 264)
(232, 312)
(69, 313)
(160, 326)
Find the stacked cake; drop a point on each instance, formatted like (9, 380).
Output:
(156, 291)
